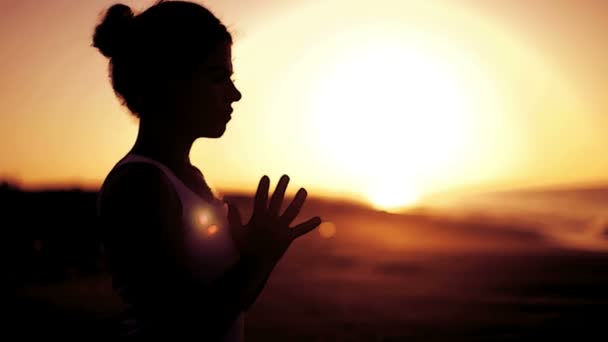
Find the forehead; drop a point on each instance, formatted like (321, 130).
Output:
(220, 57)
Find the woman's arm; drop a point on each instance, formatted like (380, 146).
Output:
(141, 216)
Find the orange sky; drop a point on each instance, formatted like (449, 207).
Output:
(483, 94)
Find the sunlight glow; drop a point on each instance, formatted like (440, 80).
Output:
(392, 198)
(429, 93)
(393, 115)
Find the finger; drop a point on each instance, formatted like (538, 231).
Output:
(305, 227)
(234, 216)
(277, 197)
(294, 207)
(261, 197)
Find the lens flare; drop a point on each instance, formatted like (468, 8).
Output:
(327, 230)
(212, 229)
(203, 218)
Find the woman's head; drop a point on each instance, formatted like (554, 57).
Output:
(171, 64)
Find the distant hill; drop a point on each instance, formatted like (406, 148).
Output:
(49, 233)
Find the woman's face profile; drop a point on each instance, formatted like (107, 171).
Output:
(207, 97)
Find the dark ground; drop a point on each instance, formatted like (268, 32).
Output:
(381, 277)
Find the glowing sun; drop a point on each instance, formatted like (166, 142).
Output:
(393, 116)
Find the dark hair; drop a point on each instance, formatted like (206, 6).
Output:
(163, 42)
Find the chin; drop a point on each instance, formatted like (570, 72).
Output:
(215, 133)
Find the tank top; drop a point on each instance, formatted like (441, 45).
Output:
(208, 240)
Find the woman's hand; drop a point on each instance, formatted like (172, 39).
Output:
(268, 235)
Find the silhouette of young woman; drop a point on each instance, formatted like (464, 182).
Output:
(181, 260)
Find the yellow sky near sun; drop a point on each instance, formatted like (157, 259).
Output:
(388, 99)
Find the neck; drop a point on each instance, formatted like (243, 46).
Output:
(163, 143)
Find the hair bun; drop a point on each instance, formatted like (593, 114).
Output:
(111, 35)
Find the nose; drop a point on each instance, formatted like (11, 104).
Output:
(236, 94)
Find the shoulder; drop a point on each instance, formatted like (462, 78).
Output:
(136, 188)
